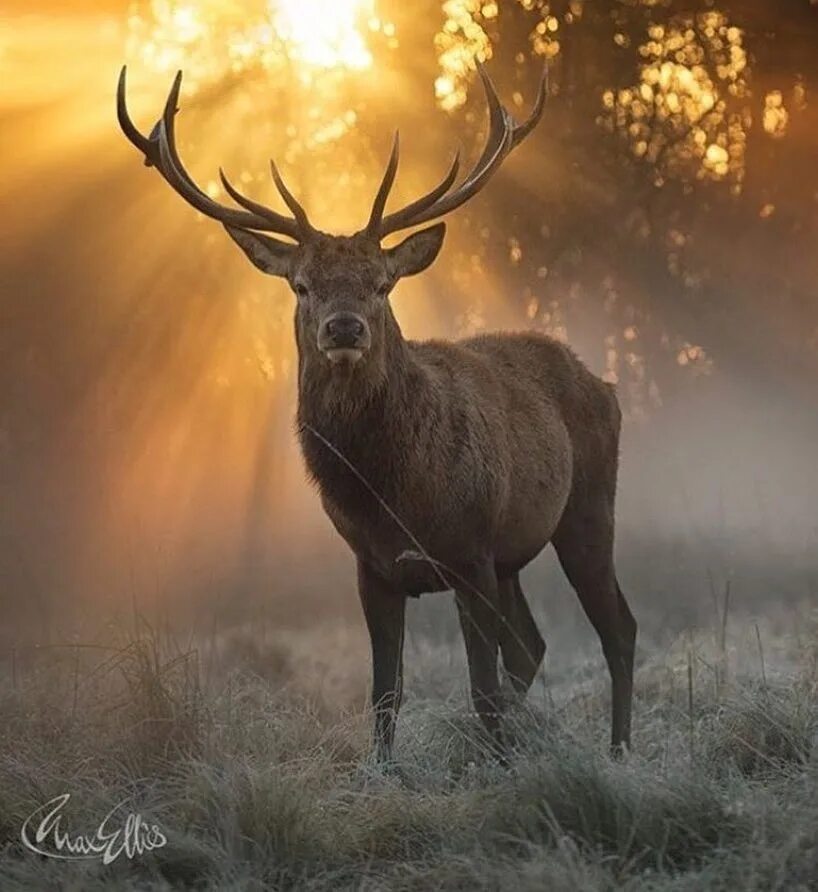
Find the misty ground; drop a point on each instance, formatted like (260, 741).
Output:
(249, 747)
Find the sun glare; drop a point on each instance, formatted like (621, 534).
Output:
(211, 39)
(326, 35)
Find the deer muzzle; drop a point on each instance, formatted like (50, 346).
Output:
(344, 337)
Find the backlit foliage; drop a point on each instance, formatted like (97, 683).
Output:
(683, 115)
(545, 37)
(463, 40)
(460, 43)
(776, 117)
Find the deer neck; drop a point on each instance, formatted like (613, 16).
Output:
(358, 411)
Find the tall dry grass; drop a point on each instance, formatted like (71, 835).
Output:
(258, 769)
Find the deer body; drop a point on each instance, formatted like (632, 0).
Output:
(443, 465)
(482, 415)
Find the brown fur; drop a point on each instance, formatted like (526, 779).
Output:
(452, 465)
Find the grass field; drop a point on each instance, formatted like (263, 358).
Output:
(251, 753)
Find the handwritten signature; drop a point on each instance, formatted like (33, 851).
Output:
(42, 832)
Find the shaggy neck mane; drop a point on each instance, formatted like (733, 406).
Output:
(360, 412)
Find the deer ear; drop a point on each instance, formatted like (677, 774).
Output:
(416, 252)
(268, 254)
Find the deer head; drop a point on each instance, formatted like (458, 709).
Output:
(342, 283)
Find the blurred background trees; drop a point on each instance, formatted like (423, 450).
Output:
(663, 220)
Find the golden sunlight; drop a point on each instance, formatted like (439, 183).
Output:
(212, 39)
(305, 43)
(327, 35)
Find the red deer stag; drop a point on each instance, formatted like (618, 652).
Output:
(443, 465)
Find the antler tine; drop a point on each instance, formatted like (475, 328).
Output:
(253, 206)
(378, 206)
(148, 147)
(180, 181)
(289, 199)
(503, 135)
(160, 151)
(394, 222)
(521, 131)
(500, 121)
(169, 117)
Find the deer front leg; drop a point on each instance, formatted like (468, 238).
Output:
(478, 605)
(384, 610)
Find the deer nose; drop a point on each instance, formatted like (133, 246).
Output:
(344, 330)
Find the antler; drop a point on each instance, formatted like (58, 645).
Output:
(504, 134)
(160, 152)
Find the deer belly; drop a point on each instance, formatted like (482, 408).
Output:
(520, 541)
(532, 515)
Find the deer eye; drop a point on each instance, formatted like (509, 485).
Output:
(301, 289)
(383, 289)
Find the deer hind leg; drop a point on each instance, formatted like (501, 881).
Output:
(478, 606)
(584, 545)
(521, 643)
